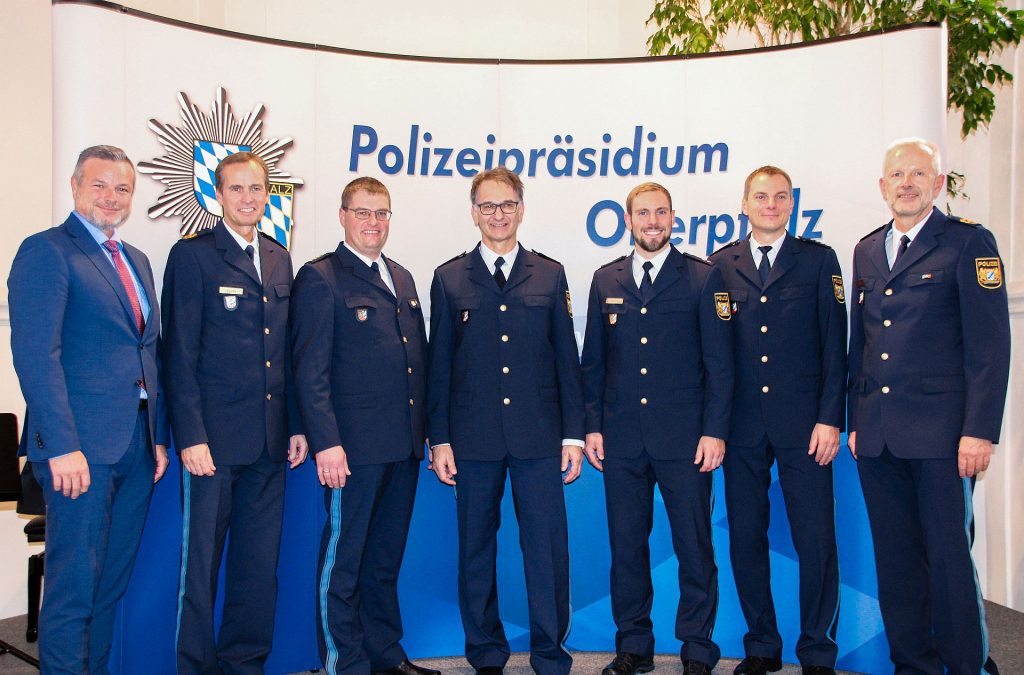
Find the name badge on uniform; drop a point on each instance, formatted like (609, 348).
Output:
(613, 301)
(362, 313)
(723, 306)
(465, 316)
(231, 295)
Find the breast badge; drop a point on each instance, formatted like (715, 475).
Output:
(723, 306)
(231, 302)
(990, 272)
(612, 318)
(362, 313)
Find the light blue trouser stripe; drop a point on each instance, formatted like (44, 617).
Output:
(325, 581)
(968, 519)
(186, 484)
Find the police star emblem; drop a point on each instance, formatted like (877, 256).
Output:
(990, 272)
(193, 152)
(723, 306)
(837, 288)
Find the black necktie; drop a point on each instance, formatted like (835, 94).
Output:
(765, 268)
(904, 243)
(646, 283)
(499, 276)
(251, 252)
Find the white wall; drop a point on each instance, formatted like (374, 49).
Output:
(537, 29)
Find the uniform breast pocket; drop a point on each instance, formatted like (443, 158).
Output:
(613, 313)
(362, 308)
(465, 309)
(282, 291)
(865, 286)
(738, 298)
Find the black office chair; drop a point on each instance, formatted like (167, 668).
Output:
(32, 503)
(10, 491)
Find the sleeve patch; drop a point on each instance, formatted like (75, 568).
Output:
(837, 288)
(568, 303)
(990, 272)
(723, 306)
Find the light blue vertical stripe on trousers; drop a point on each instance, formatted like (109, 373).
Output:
(325, 581)
(968, 519)
(186, 485)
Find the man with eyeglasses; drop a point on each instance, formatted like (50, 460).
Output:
(359, 346)
(230, 398)
(788, 408)
(504, 398)
(657, 378)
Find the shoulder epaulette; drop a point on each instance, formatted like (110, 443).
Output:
(541, 255)
(317, 259)
(269, 238)
(451, 260)
(700, 260)
(729, 245)
(963, 221)
(816, 242)
(617, 260)
(199, 233)
(874, 231)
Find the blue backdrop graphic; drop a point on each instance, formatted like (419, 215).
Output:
(145, 634)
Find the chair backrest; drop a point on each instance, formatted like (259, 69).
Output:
(10, 475)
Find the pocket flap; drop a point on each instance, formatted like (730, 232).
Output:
(537, 300)
(938, 384)
(360, 301)
(921, 278)
(282, 290)
(471, 302)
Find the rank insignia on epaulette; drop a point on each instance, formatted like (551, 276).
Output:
(990, 272)
(837, 288)
(723, 306)
(362, 313)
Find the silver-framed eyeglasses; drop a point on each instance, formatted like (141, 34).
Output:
(383, 215)
(488, 208)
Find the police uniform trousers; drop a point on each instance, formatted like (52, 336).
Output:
(810, 505)
(358, 621)
(91, 544)
(246, 501)
(921, 518)
(537, 494)
(629, 495)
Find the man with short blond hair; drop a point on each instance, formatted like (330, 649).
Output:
(788, 409)
(929, 363)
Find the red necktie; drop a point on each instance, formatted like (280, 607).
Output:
(126, 280)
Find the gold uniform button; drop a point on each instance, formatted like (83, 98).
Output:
(268, 364)
(885, 390)
(269, 396)
(399, 310)
(504, 338)
(504, 369)
(888, 291)
(266, 331)
(887, 323)
(405, 339)
(643, 401)
(265, 299)
(410, 402)
(764, 329)
(885, 356)
(507, 401)
(503, 308)
(643, 371)
(409, 370)
(643, 310)
(643, 340)
(764, 298)
(764, 359)
(764, 389)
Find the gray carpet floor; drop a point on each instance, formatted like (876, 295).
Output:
(1006, 628)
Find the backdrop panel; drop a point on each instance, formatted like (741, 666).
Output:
(582, 134)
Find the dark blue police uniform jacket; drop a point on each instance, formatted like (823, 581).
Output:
(492, 389)
(226, 347)
(360, 357)
(683, 342)
(929, 341)
(801, 357)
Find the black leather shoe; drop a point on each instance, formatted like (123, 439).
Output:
(757, 665)
(628, 664)
(407, 667)
(691, 667)
(819, 670)
(490, 670)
